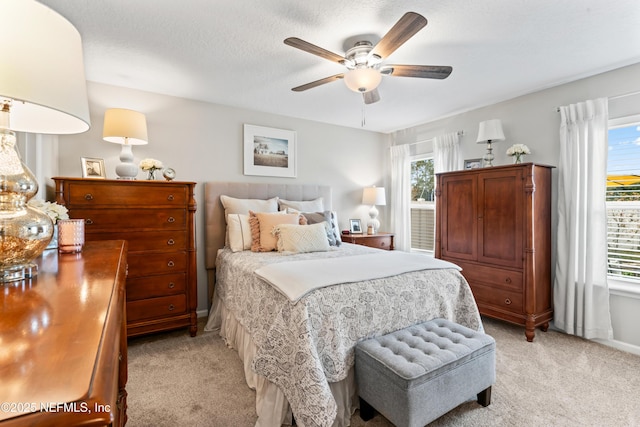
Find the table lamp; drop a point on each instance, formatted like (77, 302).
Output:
(374, 196)
(490, 130)
(126, 127)
(42, 90)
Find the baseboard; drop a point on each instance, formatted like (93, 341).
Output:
(629, 348)
(202, 313)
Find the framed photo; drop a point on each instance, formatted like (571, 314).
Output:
(355, 227)
(269, 151)
(93, 168)
(473, 163)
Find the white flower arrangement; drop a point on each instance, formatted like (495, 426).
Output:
(518, 150)
(54, 210)
(150, 164)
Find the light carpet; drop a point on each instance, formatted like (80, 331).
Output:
(558, 380)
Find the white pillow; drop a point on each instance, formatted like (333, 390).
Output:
(316, 205)
(239, 232)
(301, 238)
(243, 206)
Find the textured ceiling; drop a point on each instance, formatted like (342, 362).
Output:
(232, 52)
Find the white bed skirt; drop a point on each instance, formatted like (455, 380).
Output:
(272, 406)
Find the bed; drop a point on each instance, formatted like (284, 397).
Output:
(298, 350)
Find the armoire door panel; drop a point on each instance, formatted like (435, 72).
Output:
(460, 218)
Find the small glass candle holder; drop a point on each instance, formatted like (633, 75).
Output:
(70, 235)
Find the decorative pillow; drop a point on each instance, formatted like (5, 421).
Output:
(243, 206)
(336, 228)
(301, 238)
(239, 232)
(316, 205)
(324, 218)
(262, 224)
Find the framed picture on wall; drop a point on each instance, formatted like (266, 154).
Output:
(93, 168)
(269, 151)
(473, 163)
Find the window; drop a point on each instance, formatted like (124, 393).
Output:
(422, 204)
(623, 199)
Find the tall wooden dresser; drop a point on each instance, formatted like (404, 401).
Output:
(157, 219)
(495, 223)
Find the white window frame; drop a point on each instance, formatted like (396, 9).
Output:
(618, 285)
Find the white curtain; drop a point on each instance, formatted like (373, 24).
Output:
(401, 196)
(581, 294)
(446, 153)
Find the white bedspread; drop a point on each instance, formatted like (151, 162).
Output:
(295, 279)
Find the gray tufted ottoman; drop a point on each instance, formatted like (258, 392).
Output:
(417, 374)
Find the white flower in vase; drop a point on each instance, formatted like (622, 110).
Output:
(150, 166)
(517, 151)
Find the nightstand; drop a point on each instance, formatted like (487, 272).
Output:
(380, 240)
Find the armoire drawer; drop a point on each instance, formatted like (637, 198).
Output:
(98, 193)
(506, 300)
(509, 280)
(131, 219)
(156, 307)
(151, 264)
(139, 241)
(156, 286)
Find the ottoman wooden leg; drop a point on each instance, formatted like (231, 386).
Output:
(366, 411)
(484, 397)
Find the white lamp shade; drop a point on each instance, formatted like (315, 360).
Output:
(490, 130)
(362, 79)
(42, 70)
(374, 196)
(124, 126)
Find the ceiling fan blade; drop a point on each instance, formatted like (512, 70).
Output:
(317, 83)
(422, 71)
(313, 49)
(371, 96)
(403, 30)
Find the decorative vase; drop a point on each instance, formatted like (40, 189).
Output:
(152, 174)
(518, 158)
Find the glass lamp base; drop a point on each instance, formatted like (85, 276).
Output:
(18, 272)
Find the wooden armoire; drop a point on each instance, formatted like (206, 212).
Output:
(495, 223)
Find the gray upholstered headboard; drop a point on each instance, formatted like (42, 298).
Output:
(214, 211)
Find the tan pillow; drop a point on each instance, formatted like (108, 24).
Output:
(262, 223)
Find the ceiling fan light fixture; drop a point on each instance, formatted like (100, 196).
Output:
(362, 80)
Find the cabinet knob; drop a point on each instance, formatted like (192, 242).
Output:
(88, 196)
(171, 219)
(507, 301)
(88, 221)
(508, 280)
(172, 285)
(170, 197)
(171, 264)
(172, 307)
(171, 242)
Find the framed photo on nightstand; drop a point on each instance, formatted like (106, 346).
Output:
(355, 227)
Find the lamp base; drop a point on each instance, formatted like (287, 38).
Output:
(18, 272)
(374, 223)
(126, 169)
(488, 157)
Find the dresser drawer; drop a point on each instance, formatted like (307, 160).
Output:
(156, 307)
(496, 277)
(131, 219)
(121, 194)
(156, 286)
(506, 300)
(140, 241)
(155, 264)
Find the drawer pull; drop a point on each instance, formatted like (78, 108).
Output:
(170, 198)
(171, 242)
(88, 221)
(508, 280)
(171, 219)
(88, 196)
(172, 285)
(507, 301)
(171, 264)
(172, 307)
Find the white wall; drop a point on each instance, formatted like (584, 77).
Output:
(533, 120)
(204, 142)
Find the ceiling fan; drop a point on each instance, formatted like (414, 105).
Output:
(364, 60)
